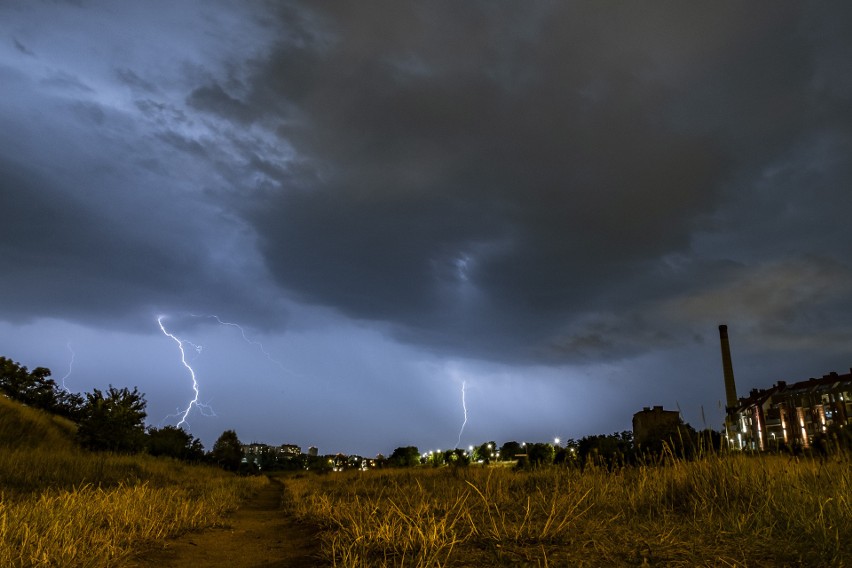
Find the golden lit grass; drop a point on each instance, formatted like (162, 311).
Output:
(98, 527)
(21, 426)
(24, 471)
(62, 506)
(717, 511)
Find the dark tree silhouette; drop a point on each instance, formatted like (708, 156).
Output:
(228, 451)
(510, 451)
(485, 452)
(113, 421)
(456, 458)
(35, 388)
(540, 454)
(404, 457)
(174, 442)
(607, 450)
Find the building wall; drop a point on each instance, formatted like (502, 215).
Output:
(648, 423)
(791, 414)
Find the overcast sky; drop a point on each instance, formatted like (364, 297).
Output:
(550, 205)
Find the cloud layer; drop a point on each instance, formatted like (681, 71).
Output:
(556, 185)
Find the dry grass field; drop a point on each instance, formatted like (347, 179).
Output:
(731, 510)
(62, 506)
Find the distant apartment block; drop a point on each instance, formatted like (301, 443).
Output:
(255, 449)
(790, 414)
(290, 450)
(264, 454)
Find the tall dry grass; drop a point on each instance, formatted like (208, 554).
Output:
(96, 527)
(62, 506)
(731, 510)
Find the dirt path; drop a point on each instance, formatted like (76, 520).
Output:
(260, 534)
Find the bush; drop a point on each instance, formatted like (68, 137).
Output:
(174, 442)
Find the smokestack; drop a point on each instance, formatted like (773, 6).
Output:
(727, 368)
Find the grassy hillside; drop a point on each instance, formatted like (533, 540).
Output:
(115, 504)
(24, 427)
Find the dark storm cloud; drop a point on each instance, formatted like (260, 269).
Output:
(516, 180)
(105, 175)
(543, 182)
(72, 259)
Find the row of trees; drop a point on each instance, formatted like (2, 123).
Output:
(112, 420)
(607, 450)
(35, 388)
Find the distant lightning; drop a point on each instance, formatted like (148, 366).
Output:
(194, 402)
(464, 407)
(247, 340)
(70, 368)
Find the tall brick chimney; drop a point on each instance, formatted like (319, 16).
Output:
(727, 368)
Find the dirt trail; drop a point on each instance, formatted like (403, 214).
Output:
(260, 534)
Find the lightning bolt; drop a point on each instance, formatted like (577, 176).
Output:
(247, 340)
(464, 407)
(194, 402)
(70, 368)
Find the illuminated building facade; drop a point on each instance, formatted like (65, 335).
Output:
(265, 456)
(791, 414)
(290, 450)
